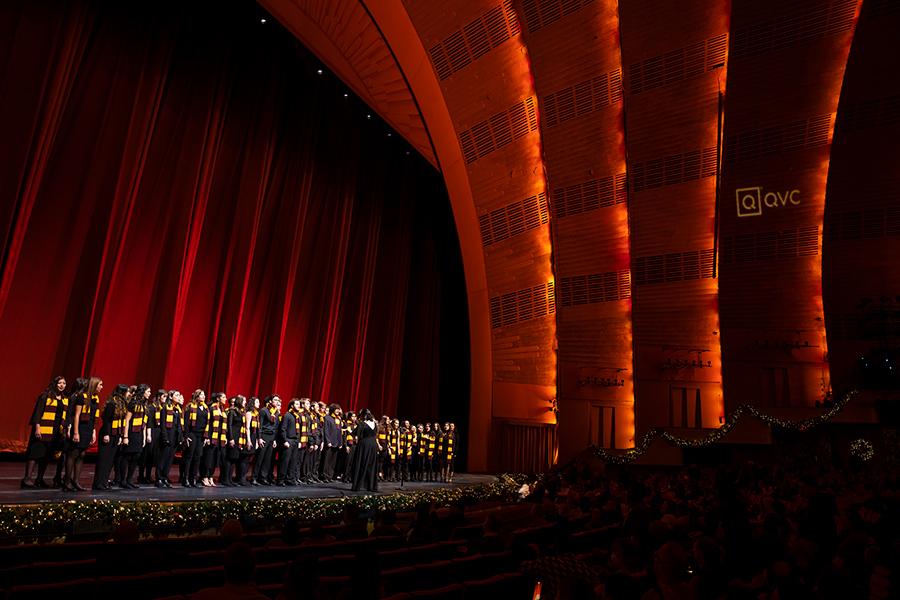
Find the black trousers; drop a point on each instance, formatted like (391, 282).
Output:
(106, 456)
(403, 470)
(191, 456)
(164, 461)
(211, 459)
(330, 461)
(287, 462)
(340, 464)
(241, 463)
(148, 455)
(310, 464)
(348, 469)
(121, 464)
(263, 465)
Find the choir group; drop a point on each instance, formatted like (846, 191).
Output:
(250, 442)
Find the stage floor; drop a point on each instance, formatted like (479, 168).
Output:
(11, 493)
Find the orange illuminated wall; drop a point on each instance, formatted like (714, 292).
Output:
(475, 50)
(674, 57)
(862, 203)
(786, 64)
(578, 76)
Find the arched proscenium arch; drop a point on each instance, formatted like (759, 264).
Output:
(395, 26)
(508, 271)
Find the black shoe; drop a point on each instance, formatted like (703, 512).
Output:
(131, 486)
(255, 483)
(27, 486)
(78, 487)
(167, 483)
(187, 484)
(40, 483)
(281, 484)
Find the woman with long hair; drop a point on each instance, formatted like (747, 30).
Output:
(85, 410)
(215, 439)
(169, 437)
(365, 459)
(150, 451)
(134, 436)
(47, 426)
(236, 434)
(110, 429)
(251, 424)
(448, 452)
(196, 418)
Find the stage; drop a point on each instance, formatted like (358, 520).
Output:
(11, 493)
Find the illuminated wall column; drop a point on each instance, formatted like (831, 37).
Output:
(478, 55)
(785, 68)
(674, 57)
(577, 72)
(862, 204)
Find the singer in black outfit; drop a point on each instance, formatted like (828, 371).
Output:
(268, 427)
(365, 472)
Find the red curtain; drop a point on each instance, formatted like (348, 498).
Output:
(186, 203)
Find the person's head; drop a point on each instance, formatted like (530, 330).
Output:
(176, 397)
(232, 531)
(80, 386)
(305, 403)
(254, 403)
(271, 400)
(119, 391)
(126, 532)
(57, 385)
(388, 517)
(160, 397)
(198, 397)
(333, 409)
(130, 391)
(366, 415)
(351, 416)
(437, 427)
(95, 386)
(427, 427)
(447, 426)
(406, 425)
(142, 393)
(290, 531)
(239, 402)
(296, 404)
(452, 426)
(420, 428)
(240, 564)
(396, 423)
(670, 563)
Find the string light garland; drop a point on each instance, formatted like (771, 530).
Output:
(61, 518)
(862, 449)
(715, 436)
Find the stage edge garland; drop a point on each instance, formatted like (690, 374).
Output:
(62, 518)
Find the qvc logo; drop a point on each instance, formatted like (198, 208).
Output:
(750, 200)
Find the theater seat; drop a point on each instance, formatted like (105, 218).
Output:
(188, 581)
(270, 589)
(78, 588)
(505, 585)
(140, 587)
(455, 591)
(271, 573)
(331, 587)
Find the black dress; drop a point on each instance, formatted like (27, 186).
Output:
(365, 458)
